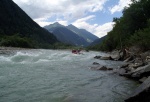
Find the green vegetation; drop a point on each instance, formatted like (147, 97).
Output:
(16, 41)
(132, 29)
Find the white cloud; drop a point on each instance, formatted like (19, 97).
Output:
(70, 8)
(63, 22)
(42, 11)
(43, 22)
(82, 23)
(120, 6)
(102, 30)
(98, 30)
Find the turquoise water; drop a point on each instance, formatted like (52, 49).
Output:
(59, 76)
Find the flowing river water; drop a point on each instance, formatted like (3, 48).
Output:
(59, 76)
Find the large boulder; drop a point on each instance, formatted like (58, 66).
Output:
(141, 72)
(115, 55)
(106, 58)
(141, 94)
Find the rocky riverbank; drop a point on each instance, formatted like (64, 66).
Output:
(136, 67)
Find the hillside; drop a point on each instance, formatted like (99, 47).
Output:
(19, 30)
(89, 37)
(69, 36)
(95, 44)
(132, 29)
(97, 41)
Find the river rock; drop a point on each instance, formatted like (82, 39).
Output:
(122, 71)
(148, 59)
(106, 58)
(95, 63)
(141, 72)
(109, 68)
(124, 66)
(97, 57)
(145, 56)
(129, 59)
(102, 68)
(115, 55)
(141, 94)
(136, 65)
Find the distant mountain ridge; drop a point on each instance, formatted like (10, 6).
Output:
(89, 37)
(71, 34)
(14, 21)
(65, 35)
(98, 41)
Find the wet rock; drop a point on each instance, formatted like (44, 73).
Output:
(106, 58)
(95, 63)
(124, 66)
(102, 68)
(109, 68)
(141, 94)
(97, 57)
(141, 72)
(122, 71)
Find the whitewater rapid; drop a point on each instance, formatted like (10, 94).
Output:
(59, 76)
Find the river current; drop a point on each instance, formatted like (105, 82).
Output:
(59, 76)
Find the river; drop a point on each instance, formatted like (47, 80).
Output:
(59, 76)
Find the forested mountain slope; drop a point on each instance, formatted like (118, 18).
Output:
(19, 30)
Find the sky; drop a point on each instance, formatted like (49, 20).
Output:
(95, 16)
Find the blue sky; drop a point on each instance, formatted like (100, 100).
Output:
(93, 15)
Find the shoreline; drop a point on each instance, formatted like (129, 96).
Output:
(137, 68)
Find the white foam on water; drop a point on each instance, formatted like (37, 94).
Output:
(27, 53)
(3, 58)
(42, 60)
(25, 56)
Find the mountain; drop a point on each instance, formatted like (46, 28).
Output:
(95, 45)
(17, 27)
(98, 41)
(89, 37)
(71, 35)
(65, 35)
